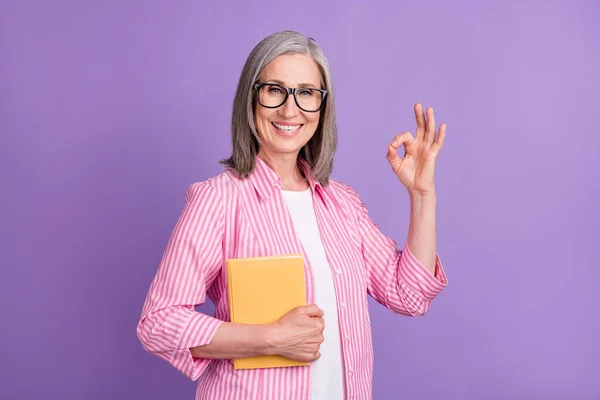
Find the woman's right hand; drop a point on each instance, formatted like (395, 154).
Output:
(298, 334)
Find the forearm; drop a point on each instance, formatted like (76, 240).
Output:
(422, 231)
(233, 340)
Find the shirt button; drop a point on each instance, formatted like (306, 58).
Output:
(343, 304)
(348, 338)
(351, 369)
(338, 271)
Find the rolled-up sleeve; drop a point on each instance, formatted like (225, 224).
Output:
(395, 278)
(169, 325)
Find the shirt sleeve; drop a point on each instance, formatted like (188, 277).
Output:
(169, 325)
(395, 278)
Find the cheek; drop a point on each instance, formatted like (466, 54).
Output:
(261, 121)
(313, 121)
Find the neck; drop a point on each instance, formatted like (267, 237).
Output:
(286, 167)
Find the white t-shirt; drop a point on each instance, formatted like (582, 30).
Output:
(326, 373)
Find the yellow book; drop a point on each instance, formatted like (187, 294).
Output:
(262, 290)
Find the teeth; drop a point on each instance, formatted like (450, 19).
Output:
(287, 128)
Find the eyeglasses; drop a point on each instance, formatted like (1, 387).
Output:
(271, 95)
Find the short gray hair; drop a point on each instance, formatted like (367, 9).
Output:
(320, 149)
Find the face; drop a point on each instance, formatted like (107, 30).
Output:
(286, 129)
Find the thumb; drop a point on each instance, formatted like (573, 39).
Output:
(313, 311)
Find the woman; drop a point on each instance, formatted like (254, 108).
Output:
(276, 197)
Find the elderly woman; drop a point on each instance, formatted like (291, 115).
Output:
(276, 197)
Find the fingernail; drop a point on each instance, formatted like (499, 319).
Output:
(395, 143)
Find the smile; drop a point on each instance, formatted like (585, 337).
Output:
(287, 128)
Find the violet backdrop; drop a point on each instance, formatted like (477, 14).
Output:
(109, 110)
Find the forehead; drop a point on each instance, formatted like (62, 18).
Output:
(292, 70)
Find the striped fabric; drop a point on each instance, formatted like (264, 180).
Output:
(225, 217)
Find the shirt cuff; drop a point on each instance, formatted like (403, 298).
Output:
(199, 331)
(416, 275)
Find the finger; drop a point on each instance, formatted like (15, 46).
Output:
(320, 323)
(430, 131)
(420, 120)
(405, 138)
(439, 141)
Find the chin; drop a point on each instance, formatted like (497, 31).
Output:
(286, 149)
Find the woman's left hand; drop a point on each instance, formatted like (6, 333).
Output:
(416, 169)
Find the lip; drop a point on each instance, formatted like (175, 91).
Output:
(284, 133)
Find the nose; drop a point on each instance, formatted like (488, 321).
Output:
(289, 109)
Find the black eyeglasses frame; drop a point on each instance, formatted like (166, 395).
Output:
(291, 91)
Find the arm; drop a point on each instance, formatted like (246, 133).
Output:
(169, 325)
(236, 340)
(421, 230)
(395, 278)
(297, 335)
(407, 281)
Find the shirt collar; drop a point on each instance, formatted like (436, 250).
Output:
(265, 180)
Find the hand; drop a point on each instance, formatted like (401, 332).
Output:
(298, 334)
(416, 169)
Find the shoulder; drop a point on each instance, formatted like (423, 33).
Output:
(344, 194)
(342, 190)
(219, 187)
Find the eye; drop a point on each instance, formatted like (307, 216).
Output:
(305, 92)
(275, 90)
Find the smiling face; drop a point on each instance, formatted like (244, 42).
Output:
(286, 129)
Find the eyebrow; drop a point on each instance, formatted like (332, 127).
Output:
(302, 85)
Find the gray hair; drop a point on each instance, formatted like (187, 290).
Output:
(320, 149)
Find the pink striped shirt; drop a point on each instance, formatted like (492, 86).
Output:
(225, 217)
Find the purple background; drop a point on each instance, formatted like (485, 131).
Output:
(110, 110)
